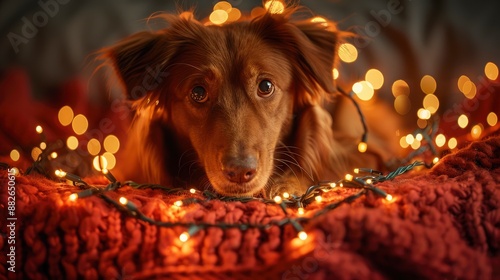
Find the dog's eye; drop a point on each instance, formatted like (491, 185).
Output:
(199, 94)
(266, 88)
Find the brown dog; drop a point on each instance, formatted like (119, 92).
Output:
(238, 107)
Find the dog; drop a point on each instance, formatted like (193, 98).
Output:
(245, 108)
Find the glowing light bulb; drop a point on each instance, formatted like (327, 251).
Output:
(333, 185)
(435, 160)
(476, 131)
(39, 129)
(491, 71)
(100, 163)
(452, 143)
(388, 197)
(492, 119)
(424, 114)
(43, 145)
(286, 195)
(274, 6)
(59, 173)
(362, 147)
(123, 200)
(80, 124)
(410, 139)
(364, 90)
(320, 20)
(302, 235)
(356, 170)
(192, 190)
(278, 199)
(419, 137)
(375, 78)
(65, 115)
(431, 103)
(184, 237)
(178, 203)
(300, 211)
(349, 177)
(318, 198)
(369, 181)
(73, 197)
(218, 17)
(440, 140)
(335, 73)
(463, 121)
(53, 155)
(347, 53)
(72, 143)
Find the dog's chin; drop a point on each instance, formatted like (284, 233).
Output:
(227, 188)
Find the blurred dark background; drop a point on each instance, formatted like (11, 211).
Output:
(405, 39)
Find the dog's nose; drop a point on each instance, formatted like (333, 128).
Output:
(240, 170)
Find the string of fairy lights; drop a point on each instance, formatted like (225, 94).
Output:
(425, 141)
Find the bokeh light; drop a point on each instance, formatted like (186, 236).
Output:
(335, 73)
(111, 160)
(492, 119)
(402, 104)
(320, 20)
(428, 84)
(35, 153)
(72, 143)
(274, 6)
(491, 71)
(111, 144)
(461, 81)
(452, 143)
(43, 145)
(93, 146)
(400, 87)
(348, 53)
(403, 143)
(223, 5)
(39, 129)
(15, 155)
(233, 15)
(65, 115)
(257, 11)
(463, 121)
(424, 114)
(364, 90)
(218, 17)
(100, 163)
(469, 89)
(80, 124)
(476, 131)
(375, 77)
(431, 103)
(410, 139)
(440, 140)
(416, 144)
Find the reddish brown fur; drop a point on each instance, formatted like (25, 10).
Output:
(288, 137)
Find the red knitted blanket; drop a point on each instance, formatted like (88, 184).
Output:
(442, 224)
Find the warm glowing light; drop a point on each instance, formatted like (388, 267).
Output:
(43, 145)
(111, 144)
(402, 104)
(192, 191)
(435, 160)
(440, 140)
(347, 53)
(286, 195)
(65, 115)
(233, 15)
(72, 143)
(278, 199)
(218, 17)
(492, 119)
(388, 197)
(178, 203)
(421, 123)
(35, 153)
(415, 145)
(400, 87)
(362, 146)
(431, 103)
(318, 198)
(463, 121)
(111, 160)
(39, 129)
(469, 89)
(419, 137)
(452, 143)
(302, 235)
(53, 155)
(80, 124)
(403, 143)
(335, 73)
(60, 173)
(93, 146)
(100, 163)
(257, 11)
(369, 181)
(123, 200)
(428, 84)
(476, 131)
(424, 114)
(410, 139)
(184, 237)
(320, 20)
(349, 177)
(332, 185)
(461, 82)
(300, 211)
(15, 155)
(274, 6)
(364, 90)
(223, 5)
(491, 71)
(15, 171)
(375, 78)
(73, 197)
(356, 170)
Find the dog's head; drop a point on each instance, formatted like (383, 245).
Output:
(228, 92)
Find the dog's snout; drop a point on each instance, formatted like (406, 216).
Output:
(239, 170)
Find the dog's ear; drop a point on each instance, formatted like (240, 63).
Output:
(312, 47)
